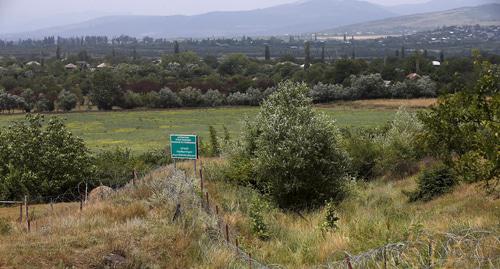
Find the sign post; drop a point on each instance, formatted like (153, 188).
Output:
(184, 147)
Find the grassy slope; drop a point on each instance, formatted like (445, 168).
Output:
(144, 130)
(376, 214)
(136, 223)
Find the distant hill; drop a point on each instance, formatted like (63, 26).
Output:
(482, 15)
(299, 17)
(437, 5)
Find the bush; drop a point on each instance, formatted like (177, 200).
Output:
(115, 168)
(433, 182)
(5, 227)
(238, 99)
(41, 159)
(329, 222)
(191, 97)
(66, 100)
(400, 148)
(364, 152)
(255, 96)
(168, 98)
(368, 86)
(259, 227)
(292, 152)
(132, 100)
(322, 93)
(213, 98)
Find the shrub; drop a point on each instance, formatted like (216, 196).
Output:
(293, 153)
(41, 159)
(368, 86)
(364, 152)
(322, 93)
(254, 96)
(5, 227)
(132, 100)
(213, 98)
(168, 98)
(191, 97)
(399, 145)
(433, 182)
(215, 149)
(330, 219)
(259, 227)
(238, 99)
(66, 100)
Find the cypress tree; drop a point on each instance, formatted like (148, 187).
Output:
(58, 52)
(176, 47)
(441, 56)
(307, 50)
(323, 52)
(267, 53)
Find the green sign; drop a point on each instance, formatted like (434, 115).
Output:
(184, 146)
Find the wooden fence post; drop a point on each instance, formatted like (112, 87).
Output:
(208, 202)
(384, 253)
(21, 213)
(51, 205)
(217, 210)
(81, 203)
(250, 260)
(348, 261)
(237, 245)
(227, 233)
(26, 205)
(430, 255)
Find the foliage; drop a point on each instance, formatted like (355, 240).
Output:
(330, 219)
(400, 146)
(66, 100)
(167, 98)
(191, 97)
(106, 91)
(364, 151)
(41, 160)
(432, 182)
(293, 152)
(259, 227)
(5, 227)
(215, 149)
(463, 130)
(115, 168)
(367, 86)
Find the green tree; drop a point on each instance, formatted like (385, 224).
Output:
(215, 149)
(105, 91)
(463, 129)
(307, 52)
(176, 47)
(41, 159)
(294, 152)
(67, 100)
(267, 53)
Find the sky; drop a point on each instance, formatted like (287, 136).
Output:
(32, 14)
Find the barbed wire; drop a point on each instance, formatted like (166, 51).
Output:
(466, 248)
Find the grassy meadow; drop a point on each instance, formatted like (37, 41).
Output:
(144, 130)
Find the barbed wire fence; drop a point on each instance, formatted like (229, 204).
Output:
(460, 249)
(467, 248)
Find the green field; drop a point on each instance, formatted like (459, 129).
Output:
(144, 130)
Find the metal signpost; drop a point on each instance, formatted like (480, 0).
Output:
(184, 147)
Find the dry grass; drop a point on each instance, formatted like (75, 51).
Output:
(135, 223)
(384, 103)
(377, 213)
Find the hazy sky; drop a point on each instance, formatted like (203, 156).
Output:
(31, 14)
(40, 8)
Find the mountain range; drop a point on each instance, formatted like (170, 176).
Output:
(485, 15)
(295, 18)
